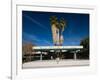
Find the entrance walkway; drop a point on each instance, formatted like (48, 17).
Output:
(55, 63)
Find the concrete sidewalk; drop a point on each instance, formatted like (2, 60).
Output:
(55, 63)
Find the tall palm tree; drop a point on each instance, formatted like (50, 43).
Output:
(62, 27)
(57, 29)
(53, 20)
(62, 24)
(54, 27)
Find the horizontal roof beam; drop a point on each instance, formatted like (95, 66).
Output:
(56, 47)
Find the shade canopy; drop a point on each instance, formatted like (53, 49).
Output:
(56, 47)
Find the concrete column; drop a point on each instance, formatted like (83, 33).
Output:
(75, 56)
(41, 56)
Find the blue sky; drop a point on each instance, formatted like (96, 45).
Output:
(36, 28)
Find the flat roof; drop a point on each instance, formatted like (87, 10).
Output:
(56, 47)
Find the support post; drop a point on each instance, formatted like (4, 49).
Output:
(41, 56)
(75, 56)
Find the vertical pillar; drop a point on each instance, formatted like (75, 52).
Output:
(41, 56)
(75, 56)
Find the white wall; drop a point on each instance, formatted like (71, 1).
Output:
(5, 37)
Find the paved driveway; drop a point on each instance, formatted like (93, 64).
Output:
(55, 63)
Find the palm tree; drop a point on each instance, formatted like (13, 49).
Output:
(55, 29)
(62, 24)
(62, 27)
(53, 20)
